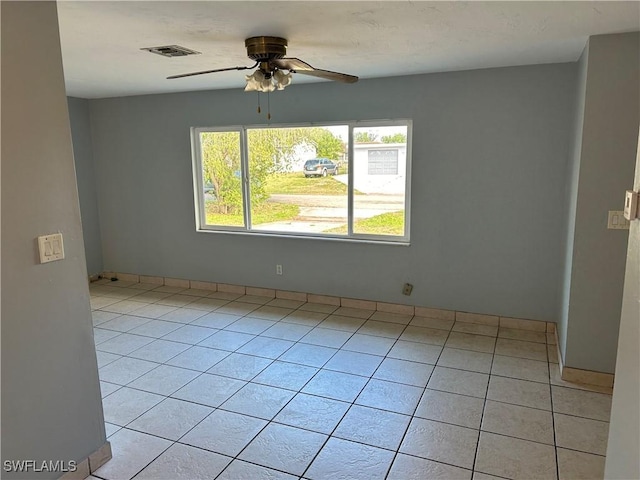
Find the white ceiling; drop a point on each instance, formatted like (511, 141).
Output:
(101, 41)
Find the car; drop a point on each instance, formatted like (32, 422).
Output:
(320, 167)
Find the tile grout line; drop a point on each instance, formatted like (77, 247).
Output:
(269, 422)
(484, 407)
(182, 289)
(352, 403)
(553, 424)
(173, 442)
(395, 456)
(374, 311)
(299, 341)
(128, 284)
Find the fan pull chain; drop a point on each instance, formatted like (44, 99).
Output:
(258, 94)
(268, 107)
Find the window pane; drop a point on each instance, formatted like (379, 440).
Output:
(379, 180)
(298, 179)
(222, 178)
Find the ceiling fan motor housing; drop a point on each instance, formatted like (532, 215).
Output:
(263, 49)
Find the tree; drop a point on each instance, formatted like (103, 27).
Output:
(395, 138)
(221, 168)
(364, 137)
(327, 145)
(270, 150)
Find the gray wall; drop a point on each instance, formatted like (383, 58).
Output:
(51, 407)
(624, 435)
(607, 160)
(489, 165)
(83, 159)
(571, 199)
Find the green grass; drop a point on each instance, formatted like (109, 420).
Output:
(265, 212)
(297, 183)
(384, 224)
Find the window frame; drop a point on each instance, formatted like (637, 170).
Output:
(351, 236)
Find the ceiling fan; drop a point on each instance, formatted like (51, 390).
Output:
(269, 55)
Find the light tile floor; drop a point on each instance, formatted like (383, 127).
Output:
(215, 385)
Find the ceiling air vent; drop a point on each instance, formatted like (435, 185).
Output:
(171, 51)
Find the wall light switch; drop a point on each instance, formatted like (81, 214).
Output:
(51, 247)
(617, 221)
(631, 201)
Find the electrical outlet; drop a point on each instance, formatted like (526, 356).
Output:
(406, 290)
(278, 269)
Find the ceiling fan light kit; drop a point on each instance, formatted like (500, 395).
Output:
(259, 82)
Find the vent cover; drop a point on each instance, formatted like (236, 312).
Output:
(171, 51)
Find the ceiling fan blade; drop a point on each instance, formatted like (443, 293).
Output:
(211, 71)
(298, 66)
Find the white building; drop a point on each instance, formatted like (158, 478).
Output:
(380, 167)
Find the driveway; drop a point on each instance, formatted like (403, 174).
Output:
(385, 202)
(376, 184)
(319, 213)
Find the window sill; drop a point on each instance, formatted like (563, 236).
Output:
(305, 236)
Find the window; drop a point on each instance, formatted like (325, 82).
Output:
(343, 181)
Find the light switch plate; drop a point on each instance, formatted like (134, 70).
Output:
(617, 221)
(631, 201)
(51, 247)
